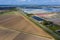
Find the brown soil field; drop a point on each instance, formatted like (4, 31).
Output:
(14, 25)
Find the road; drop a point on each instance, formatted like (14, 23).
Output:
(18, 27)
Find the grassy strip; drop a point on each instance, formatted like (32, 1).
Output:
(7, 12)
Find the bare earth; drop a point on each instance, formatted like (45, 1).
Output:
(17, 27)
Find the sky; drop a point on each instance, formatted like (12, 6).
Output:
(32, 2)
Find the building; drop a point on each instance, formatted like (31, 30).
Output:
(38, 19)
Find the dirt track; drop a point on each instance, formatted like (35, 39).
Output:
(18, 24)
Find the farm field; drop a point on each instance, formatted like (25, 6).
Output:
(16, 25)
